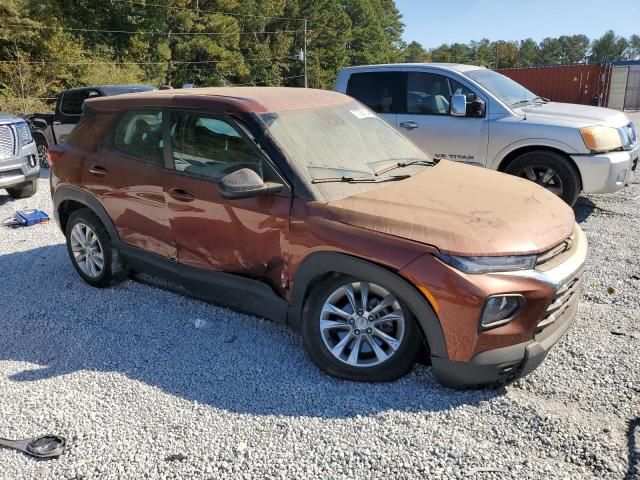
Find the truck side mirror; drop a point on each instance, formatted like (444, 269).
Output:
(477, 108)
(458, 105)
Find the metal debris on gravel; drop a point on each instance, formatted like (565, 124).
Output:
(140, 393)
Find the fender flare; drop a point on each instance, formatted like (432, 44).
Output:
(540, 143)
(322, 263)
(37, 131)
(68, 192)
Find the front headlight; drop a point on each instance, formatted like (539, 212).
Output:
(478, 265)
(601, 139)
(24, 134)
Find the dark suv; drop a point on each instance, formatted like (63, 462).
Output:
(305, 207)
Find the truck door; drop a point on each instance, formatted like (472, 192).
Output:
(379, 90)
(425, 119)
(69, 111)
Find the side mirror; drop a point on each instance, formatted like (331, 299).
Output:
(458, 105)
(245, 183)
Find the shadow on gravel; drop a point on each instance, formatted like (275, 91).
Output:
(240, 363)
(633, 434)
(583, 209)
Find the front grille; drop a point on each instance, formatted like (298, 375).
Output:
(7, 142)
(556, 255)
(566, 296)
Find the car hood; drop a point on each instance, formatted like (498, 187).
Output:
(462, 210)
(574, 115)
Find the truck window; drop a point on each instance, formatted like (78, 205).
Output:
(71, 102)
(380, 91)
(430, 93)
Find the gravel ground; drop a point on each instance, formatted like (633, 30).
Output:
(139, 392)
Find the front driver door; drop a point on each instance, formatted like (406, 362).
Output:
(426, 120)
(242, 236)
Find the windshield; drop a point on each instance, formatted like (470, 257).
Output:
(510, 92)
(345, 140)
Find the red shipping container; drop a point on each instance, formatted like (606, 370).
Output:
(583, 84)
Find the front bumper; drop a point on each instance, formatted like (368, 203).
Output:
(503, 365)
(606, 172)
(20, 169)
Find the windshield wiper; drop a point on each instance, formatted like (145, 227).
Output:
(545, 100)
(403, 165)
(357, 179)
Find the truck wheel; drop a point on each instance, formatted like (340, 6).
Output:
(91, 252)
(42, 146)
(549, 170)
(24, 190)
(358, 330)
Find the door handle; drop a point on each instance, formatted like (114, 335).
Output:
(410, 125)
(181, 195)
(97, 170)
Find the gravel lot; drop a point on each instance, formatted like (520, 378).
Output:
(139, 392)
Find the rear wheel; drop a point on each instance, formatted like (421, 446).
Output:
(24, 190)
(359, 330)
(89, 247)
(549, 170)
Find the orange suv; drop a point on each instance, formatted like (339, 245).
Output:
(304, 207)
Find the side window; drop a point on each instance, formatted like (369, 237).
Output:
(139, 134)
(71, 102)
(428, 94)
(210, 146)
(377, 90)
(458, 89)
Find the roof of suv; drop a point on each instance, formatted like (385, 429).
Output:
(235, 99)
(458, 67)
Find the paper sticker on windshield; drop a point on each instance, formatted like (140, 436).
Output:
(362, 113)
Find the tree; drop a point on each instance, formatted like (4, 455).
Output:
(550, 51)
(415, 53)
(528, 53)
(634, 47)
(609, 47)
(573, 49)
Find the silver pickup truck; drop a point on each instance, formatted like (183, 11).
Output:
(477, 116)
(19, 169)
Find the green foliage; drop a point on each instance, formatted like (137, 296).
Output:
(47, 46)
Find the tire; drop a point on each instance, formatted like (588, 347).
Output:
(24, 190)
(538, 165)
(108, 267)
(368, 366)
(42, 146)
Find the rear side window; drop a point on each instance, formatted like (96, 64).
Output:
(380, 91)
(139, 134)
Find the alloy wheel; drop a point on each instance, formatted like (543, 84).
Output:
(362, 324)
(42, 156)
(544, 176)
(87, 250)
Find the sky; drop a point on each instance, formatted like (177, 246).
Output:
(433, 23)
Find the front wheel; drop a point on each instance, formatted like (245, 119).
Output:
(359, 330)
(25, 190)
(549, 170)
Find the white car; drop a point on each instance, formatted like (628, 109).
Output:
(477, 116)
(19, 170)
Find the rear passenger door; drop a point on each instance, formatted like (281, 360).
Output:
(426, 120)
(128, 175)
(241, 236)
(379, 90)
